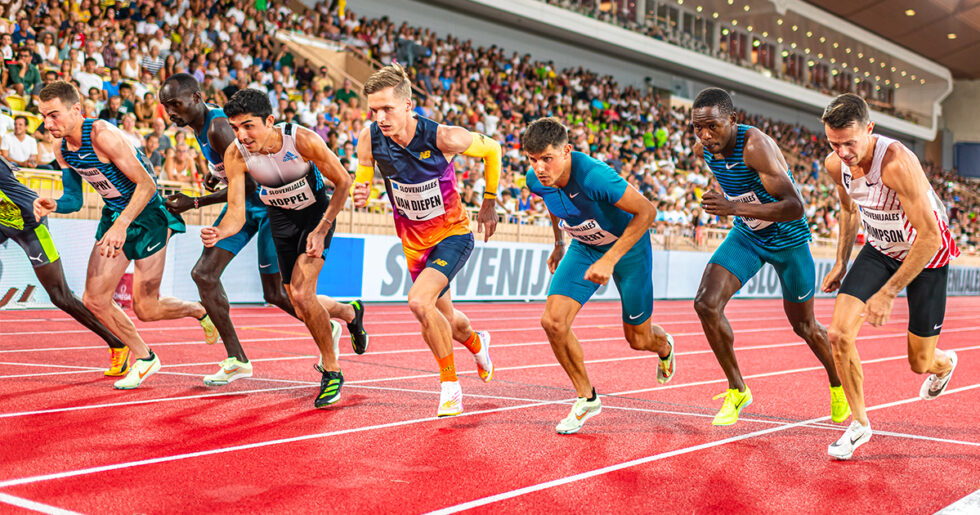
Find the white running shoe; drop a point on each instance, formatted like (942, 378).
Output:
(855, 436)
(231, 369)
(933, 385)
(335, 330)
(484, 365)
(138, 372)
(582, 410)
(450, 400)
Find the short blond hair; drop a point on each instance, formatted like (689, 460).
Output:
(391, 76)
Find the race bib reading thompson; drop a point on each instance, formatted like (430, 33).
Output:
(589, 232)
(751, 198)
(422, 201)
(295, 195)
(884, 226)
(99, 182)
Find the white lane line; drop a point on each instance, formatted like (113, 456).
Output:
(969, 505)
(34, 505)
(490, 499)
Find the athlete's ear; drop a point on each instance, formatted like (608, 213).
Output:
(566, 150)
(731, 118)
(270, 120)
(871, 127)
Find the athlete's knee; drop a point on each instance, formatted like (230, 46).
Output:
(205, 279)
(841, 341)
(920, 362)
(146, 308)
(96, 304)
(809, 330)
(554, 325)
(707, 306)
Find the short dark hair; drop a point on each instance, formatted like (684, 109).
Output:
(21, 117)
(715, 97)
(183, 83)
(91, 59)
(249, 101)
(60, 89)
(542, 133)
(845, 110)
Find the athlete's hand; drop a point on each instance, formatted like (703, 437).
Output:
(210, 236)
(715, 203)
(210, 182)
(556, 254)
(878, 308)
(362, 191)
(833, 278)
(43, 206)
(487, 218)
(600, 271)
(178, 203)
(314, 243)
(112, 241)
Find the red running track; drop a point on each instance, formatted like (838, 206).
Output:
(71, 442)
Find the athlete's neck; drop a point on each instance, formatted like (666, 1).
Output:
(730, 146)
(405, 136)
(273, 143)
(199, 117)
(566, 174)
(74, 137)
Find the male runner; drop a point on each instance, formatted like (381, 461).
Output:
(134, 227)
(415, 157)
(181, 97)
(908, 246)
(17, 223)
(609, 224)
(760, 193)
(286, 162)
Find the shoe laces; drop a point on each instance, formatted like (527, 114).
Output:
(118, 357)
(729, 396)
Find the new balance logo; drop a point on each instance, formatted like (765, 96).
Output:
(289, 157)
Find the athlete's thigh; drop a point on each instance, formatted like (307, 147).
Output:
(848, 315)
(569, 279)
(266, 246)
(869, 272)
(306, 271)
(562, 309)
(926, 297)
(736, 254)
(37, 244)
(148, 274)
(428, 286)
(103, 273)
(633, 276)
(796, 271)
(449, 255)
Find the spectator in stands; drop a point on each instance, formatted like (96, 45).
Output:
(129, 129)
(152, 63)
(111, 112)
(344, 94)
(20, 148)
(48, 51)
(159, 126)
(181, 166)
(89, 78)
(131, 67)
(110, 88)
(45, 149)
(146, 111)
(152, 150)
(23, 75)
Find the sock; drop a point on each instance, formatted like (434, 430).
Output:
(447, 368)
(473, 343)
(150, 357)
(594, 395)
(202, 318)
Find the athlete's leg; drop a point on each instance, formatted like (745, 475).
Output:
(559, 312)
(207, 275)
(926, 297)
(274, 292)
(718, 285)
(148, 304)
(52, 278)
(302, 295)
(925, 358)
(843, 331)
(459, 323)
(436, 328)
(102, 277)
(806, 326)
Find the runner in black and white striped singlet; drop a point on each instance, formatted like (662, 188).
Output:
(882, 185)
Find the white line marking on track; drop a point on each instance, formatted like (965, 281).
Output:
(28, 504)
(968, 505)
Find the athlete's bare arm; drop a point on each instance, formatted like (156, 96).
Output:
(234, 217)
(902, 172)
(762, 155)
(457, 140)
(849, 221)
(220, 136)
(643, 214)
(110, 144)
(312, 148)
(365, 169)
(559, 251)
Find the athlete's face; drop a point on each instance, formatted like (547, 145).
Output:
(180, 106)
(390, 112)
(59, 119)
(550, 164)
(712, 128)
(252, 131)
(850, 143)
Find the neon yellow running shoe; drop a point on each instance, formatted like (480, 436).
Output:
(119, 366)
(734, 402)
(210, 331)
(839, 408)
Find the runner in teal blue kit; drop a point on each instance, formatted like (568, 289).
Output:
(769, 228)
(181, 97)
(609, 224)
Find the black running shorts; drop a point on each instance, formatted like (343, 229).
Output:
(926, 294)
(291, 227)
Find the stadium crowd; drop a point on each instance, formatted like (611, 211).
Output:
(119, 54)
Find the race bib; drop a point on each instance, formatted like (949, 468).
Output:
(884, 226)
(750, 198)
(295, 195)
(218, 170)
(422, 201)
(99, 181)
(589, 232)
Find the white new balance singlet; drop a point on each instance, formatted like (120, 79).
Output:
(885, 225)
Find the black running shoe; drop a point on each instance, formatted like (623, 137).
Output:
(329, 388)
(358, 336)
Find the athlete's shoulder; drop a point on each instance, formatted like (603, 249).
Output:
(899, 157)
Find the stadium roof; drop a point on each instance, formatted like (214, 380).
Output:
(946, 31)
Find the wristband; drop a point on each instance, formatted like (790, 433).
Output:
(196, 203)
